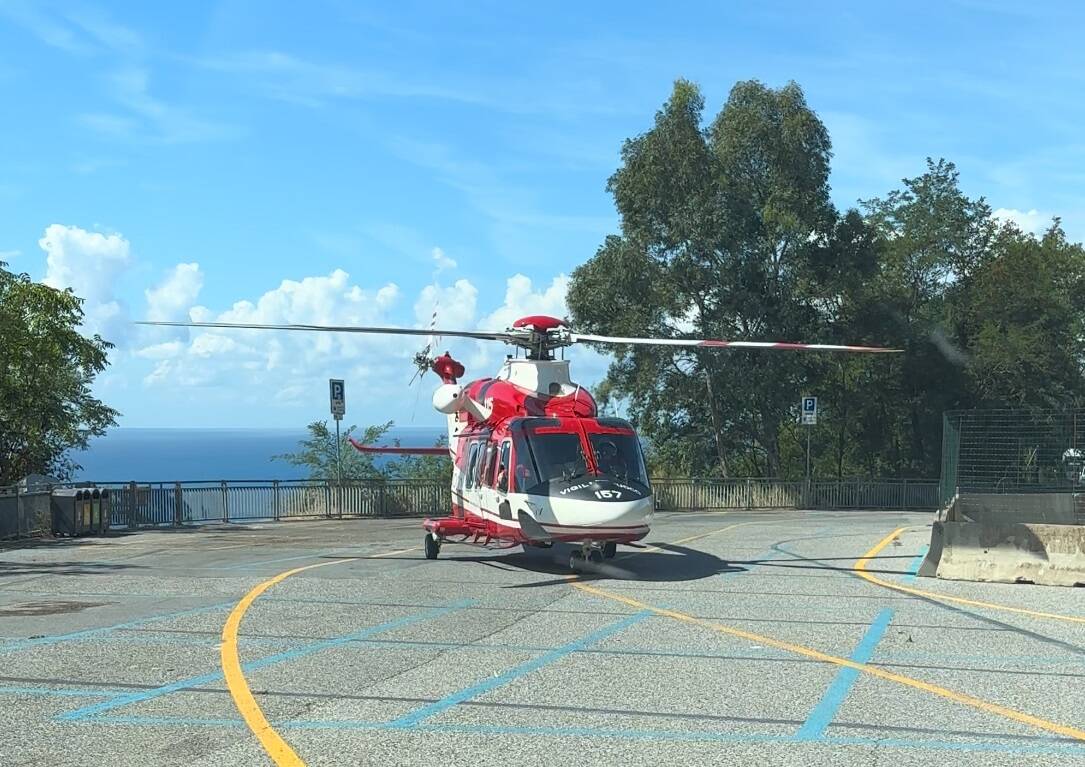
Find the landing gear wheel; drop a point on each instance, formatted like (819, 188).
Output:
(595, 556)
(433, 546)
(610, 548)
(576, 561)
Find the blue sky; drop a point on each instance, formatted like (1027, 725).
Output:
(349, 162)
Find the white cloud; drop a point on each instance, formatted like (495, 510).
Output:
(164, 350)
(261, 372)
(261, 363)
(455, 305)
(84, 32)
(443, 262)
(147, 117)
(90, 263)
(7, 256)
(1031, 221)
(171, 299)
(521, 300)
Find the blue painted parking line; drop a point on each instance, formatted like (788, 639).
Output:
(24, 644)
(501, 680)
(825, 710)
(299, 652)
(914, 565)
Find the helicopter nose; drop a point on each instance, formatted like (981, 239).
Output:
(599, 488)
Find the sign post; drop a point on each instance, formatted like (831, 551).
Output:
(338, 399)
(809, 418)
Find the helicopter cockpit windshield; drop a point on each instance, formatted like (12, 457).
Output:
(619, 456)
(557, 455)
(562, 454)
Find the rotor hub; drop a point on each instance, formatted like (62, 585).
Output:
(540, 334)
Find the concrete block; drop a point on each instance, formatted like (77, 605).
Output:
(1051, 555)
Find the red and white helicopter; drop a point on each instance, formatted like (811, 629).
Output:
(533, 462)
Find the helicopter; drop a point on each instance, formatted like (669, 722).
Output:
(534, 462)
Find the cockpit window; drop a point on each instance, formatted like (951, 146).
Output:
(557, 455)
(619, 456)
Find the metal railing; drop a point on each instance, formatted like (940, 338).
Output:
(142, 504)
(136, 504)
(711, 494)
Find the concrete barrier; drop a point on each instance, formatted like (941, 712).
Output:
(1050, 555)
(1045, 508)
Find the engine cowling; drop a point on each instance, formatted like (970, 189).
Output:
(448, 398)
(452, 398)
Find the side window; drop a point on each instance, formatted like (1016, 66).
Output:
(480, 465)
(524, 473)
(502, 478)
(471, 462)
(491, 466)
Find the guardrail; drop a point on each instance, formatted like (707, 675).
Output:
(141, 504)
(136, 504)
(751, 493)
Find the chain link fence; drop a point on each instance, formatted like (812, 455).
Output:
(1015, 465)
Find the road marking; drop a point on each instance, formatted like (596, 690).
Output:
(140, 696)
(825, 711)
(809, 652)
(492, 683)
(278, 749)
(861, 571)
(915, 564)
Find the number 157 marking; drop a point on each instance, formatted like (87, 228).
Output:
(608, 495)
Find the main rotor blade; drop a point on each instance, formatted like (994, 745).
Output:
(709, 343)
(481, 334)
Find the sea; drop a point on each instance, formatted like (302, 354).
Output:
(175, 455)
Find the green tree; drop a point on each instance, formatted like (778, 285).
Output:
(932, 237)
(1022, 316)
(719, 229)
(728, 232)
(435, 468)
(317, 453)
(47, 370)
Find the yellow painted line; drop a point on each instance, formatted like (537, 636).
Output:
(860, 569)
(809, 652)
(278, 749)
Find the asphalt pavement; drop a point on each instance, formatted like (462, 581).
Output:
(725, 638)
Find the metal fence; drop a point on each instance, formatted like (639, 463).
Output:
(695, 494)
(142, 504)
(136, 504)
(1013, 451)
(1015, 465)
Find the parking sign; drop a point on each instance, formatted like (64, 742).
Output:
(809, 411)
(338, 396)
